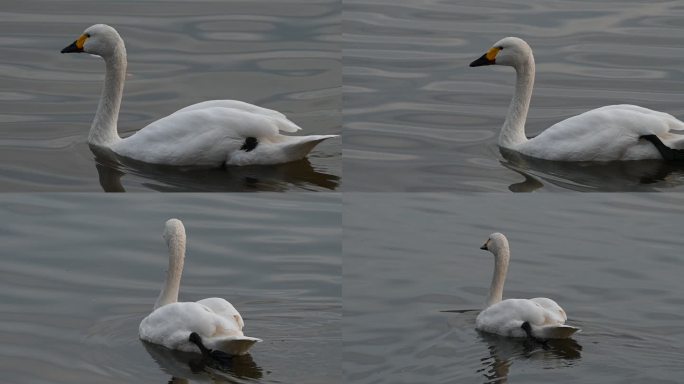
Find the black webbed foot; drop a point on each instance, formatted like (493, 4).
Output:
(249, 144)
(211, 357)
(666, 152)
(528, 331)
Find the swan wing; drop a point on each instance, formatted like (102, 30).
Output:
(171, 325)
(224, 309)
(553, 313)
(554, 331)
(200, 137)
(505, 318)
(605, 134)
(283, 123)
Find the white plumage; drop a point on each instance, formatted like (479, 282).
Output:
(506, 317)
(207, 134)
(215, 320)
(608, 133)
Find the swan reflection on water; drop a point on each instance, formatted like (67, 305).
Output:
(616, 176)
(273, 178)
(184, 366)
(503, 351)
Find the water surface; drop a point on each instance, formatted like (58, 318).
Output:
(613, 262)
(283, 56)
(78, 273)
(417, 118)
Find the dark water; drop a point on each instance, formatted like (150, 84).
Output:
(417, 118)
(78, 273)
(613, 262)
(284, 56)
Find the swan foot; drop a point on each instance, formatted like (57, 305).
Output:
(209, 355)
(250, 144)
(666, 152)
(528, 331)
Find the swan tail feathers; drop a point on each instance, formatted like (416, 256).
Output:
(298, 149)
(239, 345)
(285, 125)
(666, 152)
(556, 332)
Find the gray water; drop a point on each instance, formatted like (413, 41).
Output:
(417, 118)
(78, 273)
(280, 56)
(613, 262)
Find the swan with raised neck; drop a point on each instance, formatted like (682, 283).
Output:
(209, 134)
(174, 235)
(609, 133)
(497, 244)
(104, 41)
(216, 323)
(539, 317)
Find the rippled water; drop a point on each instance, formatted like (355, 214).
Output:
(613, 262)
(426, 121)
(280, 56)
(78, 273)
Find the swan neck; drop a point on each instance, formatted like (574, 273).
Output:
(513, 130)
(103, 131)
(169, 292)
(500, 269)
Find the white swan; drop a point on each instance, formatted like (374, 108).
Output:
(539, 317)
(609, 133)
(215, 320)
(208, 134)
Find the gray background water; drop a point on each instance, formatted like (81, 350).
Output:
(280, 55)
(78, 273)
(613, 262)
(417, 118)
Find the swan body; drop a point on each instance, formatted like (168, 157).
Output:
(215, 320)
(610, 133)
(208, 134)
(506, 317)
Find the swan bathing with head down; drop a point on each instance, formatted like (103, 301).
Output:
(610, 133)
(213, 322)
(208, 134)
(539, 318)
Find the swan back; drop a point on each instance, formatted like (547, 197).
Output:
(174, 234)
(172, 324)
(546, 319)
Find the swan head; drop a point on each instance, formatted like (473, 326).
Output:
(99, 39)
(496, 244)
(174, 231)
(510, 51)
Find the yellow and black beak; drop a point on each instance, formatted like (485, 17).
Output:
(488, 58)
(76, 46)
